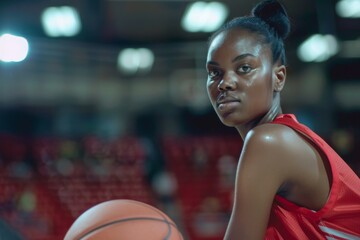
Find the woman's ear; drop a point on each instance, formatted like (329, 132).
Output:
(280, 77)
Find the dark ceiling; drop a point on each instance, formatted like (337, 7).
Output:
(158, 21)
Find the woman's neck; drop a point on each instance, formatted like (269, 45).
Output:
(273, 112)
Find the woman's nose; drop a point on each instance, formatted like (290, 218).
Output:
(226, 84)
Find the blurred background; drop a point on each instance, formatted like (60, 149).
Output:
(106, 99)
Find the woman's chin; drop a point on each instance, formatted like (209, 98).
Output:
(229, 122)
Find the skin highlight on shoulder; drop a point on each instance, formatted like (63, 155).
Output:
(296, 160)
(265, 146)
(267, 135)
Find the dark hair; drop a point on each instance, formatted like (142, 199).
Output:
(270, 20)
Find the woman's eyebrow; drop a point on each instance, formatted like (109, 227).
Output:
(237, 58)
(212, 63)
(242, 56)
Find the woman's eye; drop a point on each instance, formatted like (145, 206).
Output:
(213, 74)
(245, 69)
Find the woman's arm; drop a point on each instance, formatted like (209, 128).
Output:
(262, 169)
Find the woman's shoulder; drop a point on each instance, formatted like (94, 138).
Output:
(272, 135)
(278, 144)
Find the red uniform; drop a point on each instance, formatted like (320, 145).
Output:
(338, 219)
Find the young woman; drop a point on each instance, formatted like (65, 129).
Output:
(290, 184)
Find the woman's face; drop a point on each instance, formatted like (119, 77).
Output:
(240, 77)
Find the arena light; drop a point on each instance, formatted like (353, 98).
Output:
(204, 17)
(13, 48)
(318, 48)
(348, 8)
(61, 21)
(131, 61)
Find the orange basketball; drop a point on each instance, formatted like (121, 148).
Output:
(123, 220)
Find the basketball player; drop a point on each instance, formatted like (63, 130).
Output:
(290, 184)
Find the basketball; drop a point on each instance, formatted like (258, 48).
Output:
(123, 220)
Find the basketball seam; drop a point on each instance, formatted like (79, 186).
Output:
(160, 213)
(130, 219)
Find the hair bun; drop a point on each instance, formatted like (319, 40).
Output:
(274, 14)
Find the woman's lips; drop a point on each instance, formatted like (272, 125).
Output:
(223, 105)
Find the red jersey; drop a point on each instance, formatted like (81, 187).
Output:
(338, 219)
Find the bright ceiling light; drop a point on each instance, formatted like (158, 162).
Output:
(13, 48)
(318, 48)
(204, 17)
(61, 21)
(146, 58)
(131, 61)
(348, 8)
